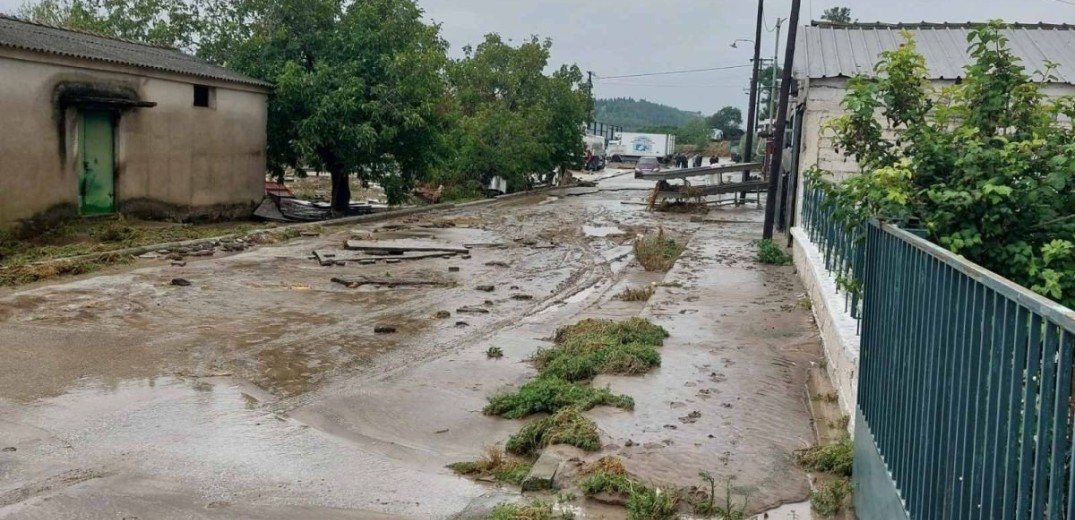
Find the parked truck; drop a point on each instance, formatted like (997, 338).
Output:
(632, 146)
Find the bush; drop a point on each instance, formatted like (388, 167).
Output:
(983, 166)
(834, 458)
(494, 463)
(636, 295)
(831, 498)
(550, 395)
(568, 426)
(771, 254)
(646, 503)
(592, 347)
(657, 252)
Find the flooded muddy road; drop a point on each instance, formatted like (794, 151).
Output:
(262, 390)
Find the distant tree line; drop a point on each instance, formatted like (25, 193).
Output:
(366, 88)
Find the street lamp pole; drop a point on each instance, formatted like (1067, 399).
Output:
(772, 85)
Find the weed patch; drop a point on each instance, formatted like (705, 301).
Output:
(834, 458)
(657, 252)
(24, 274)
(627, 331)
(771, 254)
(646, 503)
(494, 352)
(550, 395)
(636, 295)
(607, 482)
(831, 498)
(495, 464)
(592, 347)
(705, 504)
(568, 426)
(536, 510)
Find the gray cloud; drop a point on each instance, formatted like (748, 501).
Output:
(616, 37)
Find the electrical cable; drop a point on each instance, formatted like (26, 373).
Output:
(688, 71)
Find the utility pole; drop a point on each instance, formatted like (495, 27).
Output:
(776, 55)
(747, 151)
(781, 122)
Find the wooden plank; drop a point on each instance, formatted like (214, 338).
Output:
(389, 282)
(717, 189)
(700, 172)
(400, 246)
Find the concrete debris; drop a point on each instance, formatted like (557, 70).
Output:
(384, 330)
(543, 473)
(390, 282)
(486, 288)
(472, 310)
(181, 282)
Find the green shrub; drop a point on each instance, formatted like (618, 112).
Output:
(647, 503)
(834, 458)
(831, 498)
(550, 395)
(657, 252)
(771, 254)
(536, 510)
(607, 482)
(568, 426)
(494, 463)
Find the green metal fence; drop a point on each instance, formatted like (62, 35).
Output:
(843, 248)
(965, 385)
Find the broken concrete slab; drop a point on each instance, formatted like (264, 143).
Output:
(543, 473)
(401, 246)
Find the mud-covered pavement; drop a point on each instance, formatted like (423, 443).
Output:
(262, 391)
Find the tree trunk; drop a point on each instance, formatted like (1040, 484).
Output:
(341, 185)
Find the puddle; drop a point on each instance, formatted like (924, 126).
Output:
(601, 231)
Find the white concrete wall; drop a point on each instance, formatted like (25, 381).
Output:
(173, 158)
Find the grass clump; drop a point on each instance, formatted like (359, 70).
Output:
(568, 426)
(496, 464)
(832, 497)
(550, 395)
(647, 503)
(834, 458)
(657, 252)
(636, 295)
(771, 254)
(494, 352)
(607, 482)
(628, 331)
(536, 510)
(705, 504)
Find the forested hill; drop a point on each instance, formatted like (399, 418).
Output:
(633, 114)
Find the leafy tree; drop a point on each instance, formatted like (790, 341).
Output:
(837, 15)
(986, 167)
(162, 22)
(359, 89)
(728, 120)
(765, 89)
(514, 121)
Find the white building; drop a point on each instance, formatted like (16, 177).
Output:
(97, 125)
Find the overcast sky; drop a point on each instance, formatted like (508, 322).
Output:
(620, 37)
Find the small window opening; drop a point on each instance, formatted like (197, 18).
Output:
(201, 95)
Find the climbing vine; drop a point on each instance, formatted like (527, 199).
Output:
(985, 166)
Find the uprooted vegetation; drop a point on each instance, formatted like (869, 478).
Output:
(568, 426)
(631, 294)
(582, 351)
(657, 252)
(550, 395)
(494, 464)
(536, 510)
(834, 463)
(608, 476)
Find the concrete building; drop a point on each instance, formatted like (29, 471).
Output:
(95, 125)
(827, 56)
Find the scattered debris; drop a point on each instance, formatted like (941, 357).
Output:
(522, 297)
(179, 264)
(486, 288)
(453, 269)
(9, 449)
(446, 430)
(472, 310)
(496, 263)
(691, 418)
(494, 352)
(442, 315)
(399, 247)
(308, 233)
(149, 256)
(514, 288)
(465, 257)
(384, 330)
(461, 324)
(181, 282)
(389, 282)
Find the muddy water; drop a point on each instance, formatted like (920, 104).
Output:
(262, 392)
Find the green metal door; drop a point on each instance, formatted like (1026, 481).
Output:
(96, 178)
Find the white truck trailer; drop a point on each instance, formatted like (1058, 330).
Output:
(632, 146)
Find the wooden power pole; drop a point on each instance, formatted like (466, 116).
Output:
(781, 122)
(746, 152)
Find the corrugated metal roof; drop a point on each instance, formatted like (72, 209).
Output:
(827, 50)
(20, 34)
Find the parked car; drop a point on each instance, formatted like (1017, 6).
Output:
(646, 165)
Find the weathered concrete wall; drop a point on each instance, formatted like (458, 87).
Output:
(172, 160)
(839, 335)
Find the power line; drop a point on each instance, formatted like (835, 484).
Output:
(689, 71)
